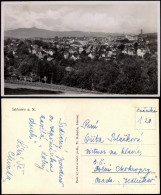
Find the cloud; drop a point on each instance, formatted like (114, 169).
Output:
(85, 17)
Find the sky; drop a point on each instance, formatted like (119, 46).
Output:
(89, 17)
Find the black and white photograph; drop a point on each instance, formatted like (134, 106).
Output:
(81, 48)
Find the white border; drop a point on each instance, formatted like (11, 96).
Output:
(78, 2)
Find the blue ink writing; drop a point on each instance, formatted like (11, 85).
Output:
(98, 162)
(146, 120)
(51, 133)
(113, 152)
(51, 118)
(125, 138)
(31, 128)
(93, 139)
(95, 151)
(42, 128)
(138, 180)
(43, 161)
(129, 151)
(61, 173)
(130, 168)
(145, 109)
(102, 169)
(87, 124)
(20, 147)
(61, 133)
(107, 180)
(10, 159)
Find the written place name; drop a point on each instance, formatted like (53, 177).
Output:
(23, 109)
(18, 109)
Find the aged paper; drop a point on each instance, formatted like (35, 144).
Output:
(80, 146)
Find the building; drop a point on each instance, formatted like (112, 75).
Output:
(140, 52)
(141, 32)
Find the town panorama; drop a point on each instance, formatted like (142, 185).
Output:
(119, 64)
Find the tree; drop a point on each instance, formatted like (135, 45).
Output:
(135, 46)
(121, 47)
(7, 41)
(24, 69)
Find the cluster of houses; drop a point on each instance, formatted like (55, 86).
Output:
(75, 48)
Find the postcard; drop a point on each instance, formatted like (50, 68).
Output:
(80, 48)
(80, 146)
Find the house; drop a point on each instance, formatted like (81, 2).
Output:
(80, 50)
(74, 57)
(130, 52)
(69, 69)
(35, 46)
(33, 51)
(49, 59)
(50, 52)
(114, 54)
(57, 46)
(140, 52)
(66, 55)
(30, 49)
(132, 37)
(125, 51)
(88, 49)
(67, 46)
(94, 48)
(40, 55)
(71, 51)
(109, 54)
(91, 55)
(103, 55)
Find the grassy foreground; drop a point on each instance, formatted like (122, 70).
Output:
(25, 88)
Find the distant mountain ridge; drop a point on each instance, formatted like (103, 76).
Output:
(42, 33)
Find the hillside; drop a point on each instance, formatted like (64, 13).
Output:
(35, 32)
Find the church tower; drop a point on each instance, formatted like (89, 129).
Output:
(141, 32)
